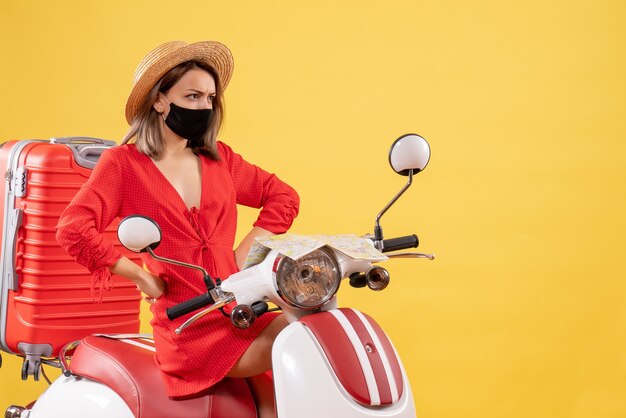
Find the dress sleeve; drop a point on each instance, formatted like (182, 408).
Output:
(81, 225)
(257, 188)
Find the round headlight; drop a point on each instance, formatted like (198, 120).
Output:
(310, 281)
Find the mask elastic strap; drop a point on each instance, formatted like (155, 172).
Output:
(168, 102)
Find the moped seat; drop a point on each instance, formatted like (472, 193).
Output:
(126, 365)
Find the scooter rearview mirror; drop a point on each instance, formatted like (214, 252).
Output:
(408, 153)
(139, 233)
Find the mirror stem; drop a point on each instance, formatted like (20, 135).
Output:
(378, 230)
(207, 279)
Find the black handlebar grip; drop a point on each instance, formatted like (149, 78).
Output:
(401, 243)
(189, 306)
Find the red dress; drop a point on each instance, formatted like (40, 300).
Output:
(127, 182)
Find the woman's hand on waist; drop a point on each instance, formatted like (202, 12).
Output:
(151, 285)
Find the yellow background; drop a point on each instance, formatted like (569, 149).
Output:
(522, 314)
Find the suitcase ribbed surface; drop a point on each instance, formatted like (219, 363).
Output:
(53, 302)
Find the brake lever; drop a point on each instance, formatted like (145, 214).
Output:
(217, 305)
(411, 255)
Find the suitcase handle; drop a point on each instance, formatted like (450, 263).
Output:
(77, 140)
(9, 273)
(86, 149)
(88, 155)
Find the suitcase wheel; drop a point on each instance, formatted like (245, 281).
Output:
(25, 370)
(36, 368)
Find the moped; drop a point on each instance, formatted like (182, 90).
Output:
(328, 362)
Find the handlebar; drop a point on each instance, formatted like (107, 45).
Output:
(388, 245)
(400, 243)
(190, 305)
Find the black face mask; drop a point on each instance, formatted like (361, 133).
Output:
(190, 124)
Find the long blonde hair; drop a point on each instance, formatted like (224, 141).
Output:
(145, 127)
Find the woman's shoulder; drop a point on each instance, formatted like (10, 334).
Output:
(122, 156)
(223, 149)
(122, 152)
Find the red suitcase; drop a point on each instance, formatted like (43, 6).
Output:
(45, 296)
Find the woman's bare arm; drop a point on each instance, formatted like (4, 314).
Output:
(244, 247)
(149, 284)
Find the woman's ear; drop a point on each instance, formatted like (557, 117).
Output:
(158, 106)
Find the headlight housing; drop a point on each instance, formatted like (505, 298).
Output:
(310, 281)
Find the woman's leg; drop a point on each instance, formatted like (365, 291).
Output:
(256, 360)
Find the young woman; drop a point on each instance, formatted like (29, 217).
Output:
(171, 168)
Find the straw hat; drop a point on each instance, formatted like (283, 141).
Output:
(167, 56)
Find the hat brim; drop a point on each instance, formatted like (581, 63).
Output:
(159, 62)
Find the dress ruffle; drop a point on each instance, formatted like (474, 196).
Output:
(101, 280)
